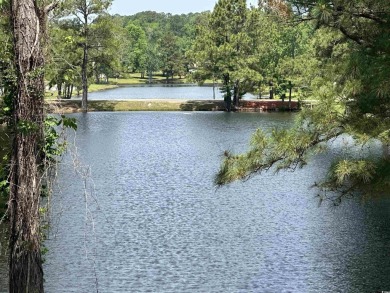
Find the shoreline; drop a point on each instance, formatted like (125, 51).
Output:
(74, 106)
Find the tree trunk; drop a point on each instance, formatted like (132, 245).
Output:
(289, 95)
(66, 90)
(97, 79)
(84, 79)
(84, 67)
(25, 263)
(59, 90)
(71, 91)
(236, 93)
(213, 87)
(259, 90)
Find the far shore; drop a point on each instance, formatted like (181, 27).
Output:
(74, 106)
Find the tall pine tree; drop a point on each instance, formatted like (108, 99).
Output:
(353, 92)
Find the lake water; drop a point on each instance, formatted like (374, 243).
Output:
(152, 221)
(190, 92)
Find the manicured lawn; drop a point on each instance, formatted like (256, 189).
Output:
(135, 78)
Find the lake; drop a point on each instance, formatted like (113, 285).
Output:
(150, 219)
(190, 92)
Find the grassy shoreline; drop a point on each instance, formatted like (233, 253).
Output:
(74, 106)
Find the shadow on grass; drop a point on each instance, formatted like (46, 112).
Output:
(102, 105)
(200, 105)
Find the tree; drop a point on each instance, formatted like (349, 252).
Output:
(152, 62)
(85, 11)
(353, 96)
(64, 59)
(223, 49)
(28, 29)
(170, 54)
(136, 48)
(105, 55)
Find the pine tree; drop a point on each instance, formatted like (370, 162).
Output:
(353, 92)
(85, 11)
(223, 49)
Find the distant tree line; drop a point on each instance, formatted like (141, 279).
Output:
(144, 43)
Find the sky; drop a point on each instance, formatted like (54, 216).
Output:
(129, 7)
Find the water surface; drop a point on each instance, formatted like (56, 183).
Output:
(154, 222)
(189, 92)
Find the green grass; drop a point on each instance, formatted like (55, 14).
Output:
(70, 106)
(130, 79)
(100, 87)
(135, 78)
(134, 106)
(52, 95)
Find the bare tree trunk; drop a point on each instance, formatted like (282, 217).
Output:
(25, 263)
(84, 79)
(213, 87)
(289, 95)
(66, 91)
(97, 78)
(84, 66)
(71, 91)
(59, 90)
(236, 93)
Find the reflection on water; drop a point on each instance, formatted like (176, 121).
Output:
(160, 92)
(159, 225)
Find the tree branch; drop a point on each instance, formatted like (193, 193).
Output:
(51, 6)
(350, 36)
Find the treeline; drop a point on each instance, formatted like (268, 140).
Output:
(144, 43)
(267, 50)
(159, 41)
(334, 52)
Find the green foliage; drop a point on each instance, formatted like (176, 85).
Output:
(63, 68)
(158, 41)
(136, 48)
(346, 69)
(7, 73)
(55, 145)
(4, 183)
(27, 127)
(223, 49)
(283, 148)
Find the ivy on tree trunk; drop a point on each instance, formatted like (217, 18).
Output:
(25, 263)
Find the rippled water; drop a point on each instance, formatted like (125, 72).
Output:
(155, 223)
(159, 92)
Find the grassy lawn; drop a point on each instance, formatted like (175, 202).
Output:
(71, 106)
(52, 95)
(135, 78)
(100, 87)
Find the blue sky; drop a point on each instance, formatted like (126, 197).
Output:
(128, 7)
